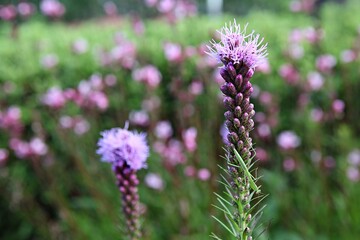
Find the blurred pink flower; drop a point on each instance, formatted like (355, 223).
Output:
(289, 73)
(99, 99)
(189, 138)
(149, 75)
(81, 126)
(353, 174)
(264, 130)
(140, 118)
(196, 88)
(49, 61)
(110, 80)
(10, 120)
(289, 164)
(295, 36)
(21, 148)
(151, 3)
(54, 98)
(190, 171)
(315, 80)
(288, 140)
(38, 147)
(110, 9)
(4, 154)
(154, 181)
(265, 98)
(66, 122)
(296, 51)
(174, 153)
(224, 132)
(204, 174)
(264, 67)
(163, 130)
(52, 8)
(138, 25)
(151, 103)
(329, 162)
(338, 106)
(354, 157)
(312, 35)
(348, 56)
(80, 46)
(25, 9)
(173, 52)
(325, 63)
(8, 12)
(261, 154)
(316, 114)
(165, 6)
(124, 54)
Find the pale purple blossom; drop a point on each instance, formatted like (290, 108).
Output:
(21, 148)
(151, 3)
(325, 63)
(296, 51)
(348, 56)
(353, 174)
(52, 8)
(81, 126)
(66, 122)
(154, 181)
(295, 36)
(54, 98)
(190, 171)
(315, 81)
(149, 75)
(289, 73)
(80, 46)
(264, 130)
(354, 157)
(288, 140)
(316, 114)
(38, 147)
(122, 147)
(289, 164)
(4, 154)
(238, 47)
(8, 12)
(49, 61)
(165, 6)
(189, 138)
(110, 80)
(196, 88)
(203, 174)
(173, 52)
(25, 9)
(338, 106)
(329, 162)
(110, 9)
(264, 67)
(163, 130)
(140, 118)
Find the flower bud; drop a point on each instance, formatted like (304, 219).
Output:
(225, 75)
(229, 103)
(239, 98)
(231, 70)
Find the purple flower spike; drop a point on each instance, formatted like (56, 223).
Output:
(240, 53)
(238, 48)
(127, 152)
(119, 146)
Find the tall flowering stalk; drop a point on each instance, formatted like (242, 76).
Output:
(127, 152)
(240, 53)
